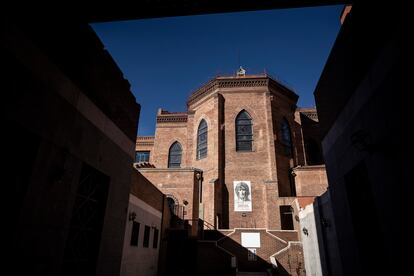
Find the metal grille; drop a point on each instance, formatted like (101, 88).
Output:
(84, 237)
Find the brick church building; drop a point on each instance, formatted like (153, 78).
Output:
(240, 160)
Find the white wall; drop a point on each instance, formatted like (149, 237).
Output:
(310, 241)
(140, 260)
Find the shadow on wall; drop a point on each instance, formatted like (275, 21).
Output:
(226, 208)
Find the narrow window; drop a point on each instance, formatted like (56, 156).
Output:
(155, 241)
(286, 219)
(142, 156)
(244, 132)
(251, 254)
(174, 155)
(146, 236)
(135, 233)
(286, 138)
(202, 140)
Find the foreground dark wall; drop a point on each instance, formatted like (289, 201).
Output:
(69, 124)
(363, 110)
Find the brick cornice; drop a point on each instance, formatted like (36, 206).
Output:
(313, 115)
(172, 118)
(263, 80)
(145, 143)
(145, 140)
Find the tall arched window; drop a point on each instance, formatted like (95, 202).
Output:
(174, 156)
(244, 131)
(286, 137)
(202, 140)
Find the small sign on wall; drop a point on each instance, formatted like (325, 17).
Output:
(242, 196)
(250, 240)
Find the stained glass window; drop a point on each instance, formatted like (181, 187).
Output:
(202, 140)
(244, 132)
(174, 156)
(286, 138)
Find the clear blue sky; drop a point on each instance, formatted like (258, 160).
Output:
(168, 58)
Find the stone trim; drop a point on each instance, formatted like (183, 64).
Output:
(287, 247)
(311, 115)
(309, 168)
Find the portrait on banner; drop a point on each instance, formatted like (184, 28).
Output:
(242, 196)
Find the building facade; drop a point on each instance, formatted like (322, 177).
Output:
(252, 144)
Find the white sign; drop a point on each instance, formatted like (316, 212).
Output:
(242, 196)
(249, 239)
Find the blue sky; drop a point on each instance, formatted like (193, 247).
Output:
(166, 59)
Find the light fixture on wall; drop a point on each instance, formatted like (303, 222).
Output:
(132, 216)
(305, 231)
(185, 202)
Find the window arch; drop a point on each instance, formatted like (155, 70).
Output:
(244, 131)
(286, 137)
(174, 155)
(202, 140)
(173, 205)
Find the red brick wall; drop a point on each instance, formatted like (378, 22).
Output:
(207, 110)
(290, 261)
(310, 180)
(181, 183)
(165, 135)
(270, 243)
(142, 188)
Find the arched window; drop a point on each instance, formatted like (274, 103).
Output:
(244, 131)
(202, 140)
(286, 137)
(174, 156)
(173, 205)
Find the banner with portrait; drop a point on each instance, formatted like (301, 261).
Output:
(242, 196)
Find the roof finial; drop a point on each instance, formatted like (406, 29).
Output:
(241, 72)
